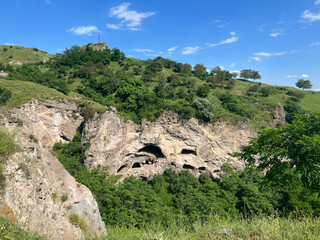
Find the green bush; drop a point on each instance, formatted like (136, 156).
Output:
(5, 95)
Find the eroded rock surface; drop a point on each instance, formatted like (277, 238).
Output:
(130, 149)
(40, 191)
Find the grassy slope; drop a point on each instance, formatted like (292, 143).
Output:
(23, 92)
(22, 54)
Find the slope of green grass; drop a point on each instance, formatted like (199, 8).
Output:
(21, 54)
(23, 91)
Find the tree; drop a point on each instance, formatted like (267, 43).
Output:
(295, 146)
(304, 84)
(186, 68)
(199, 70)
(250, 74)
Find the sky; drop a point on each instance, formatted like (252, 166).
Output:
(278, 38)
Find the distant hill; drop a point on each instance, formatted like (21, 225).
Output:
(17, 55)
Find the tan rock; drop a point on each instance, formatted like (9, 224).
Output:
(169, 142)
(36, 180)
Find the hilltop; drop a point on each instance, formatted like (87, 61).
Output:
(17, 55)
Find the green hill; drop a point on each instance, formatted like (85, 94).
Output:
(144, 89)
(22, 54)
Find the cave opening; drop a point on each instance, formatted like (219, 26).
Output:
(136, 165)
(155, 150)
(188, 151)
(187, 166)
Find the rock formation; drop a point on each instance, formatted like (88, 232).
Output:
(39, 190)
(142, 151)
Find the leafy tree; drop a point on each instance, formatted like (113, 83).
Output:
(296, 145)
(250, 74)
(200, 70)
(186, 68)
(304, 84)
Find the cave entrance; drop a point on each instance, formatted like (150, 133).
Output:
(155, 150)
(188, 151)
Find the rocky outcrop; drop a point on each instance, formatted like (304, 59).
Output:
(39, 190)
(130, 149)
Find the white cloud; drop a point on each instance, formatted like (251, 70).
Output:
(190, 50)
(266, 54)
(315, 43)
(233, 64)
(114, 26)
(9, 44)
(260, 55)
(257, 59)
(172, 49)
(133, 19)
(143, 50)
(317, 2)
(48, 2)
(275, 34)
(291, 76)
(310, 16)
(229, 40)
(84, 30)
(297, 76)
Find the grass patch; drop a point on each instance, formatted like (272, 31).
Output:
(7, 144)
(225, 228)
(21, 54)
(12, 231)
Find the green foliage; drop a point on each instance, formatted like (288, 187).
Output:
(11, 231)
(250, 74)
(304, 84)
(204, 109)
(7, 144)
(296, 146)
(231, 103)
(75, 219)
(5, 95)
(64, 197)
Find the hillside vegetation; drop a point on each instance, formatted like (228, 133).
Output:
(144, 89)
(275, 197)
(22, 54)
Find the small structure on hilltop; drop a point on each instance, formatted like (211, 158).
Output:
(3, 74)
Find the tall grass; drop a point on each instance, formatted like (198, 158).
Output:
(7, 144)
(7, 147)
(225, 228)
(10, 231)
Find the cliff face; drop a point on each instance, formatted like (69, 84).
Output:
(130, 149)
(40, 191)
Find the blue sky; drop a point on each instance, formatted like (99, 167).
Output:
(279, 38)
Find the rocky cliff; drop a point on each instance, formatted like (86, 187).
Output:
(40, 191)
(142, 151)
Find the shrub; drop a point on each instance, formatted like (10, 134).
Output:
(76, 220)
(87, 112)
(53, 197)
(64, 197)
(5, 95)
